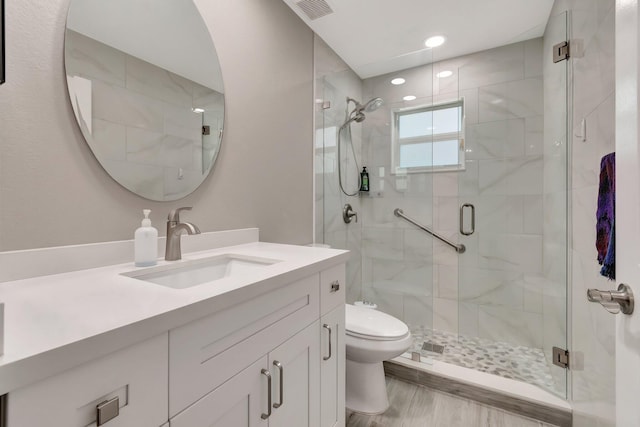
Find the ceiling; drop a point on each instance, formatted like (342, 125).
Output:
(381, 36)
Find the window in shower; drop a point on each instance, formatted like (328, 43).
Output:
(429, 138)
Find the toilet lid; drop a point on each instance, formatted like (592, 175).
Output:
(373, 323)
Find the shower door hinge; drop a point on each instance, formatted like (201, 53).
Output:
(561, 357)
(561, 51)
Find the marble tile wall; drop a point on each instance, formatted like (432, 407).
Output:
(143, 114)
(494, 289)
(397, 258)
(334, 82)
(592, 385)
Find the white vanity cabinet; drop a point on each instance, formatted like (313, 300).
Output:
(278, 360)
(274, 358)
(136, 376)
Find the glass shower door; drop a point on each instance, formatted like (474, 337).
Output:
(512, 280)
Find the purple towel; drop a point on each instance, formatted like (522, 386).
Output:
(605, 216)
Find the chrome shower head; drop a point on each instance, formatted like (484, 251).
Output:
(357, 114)
(371, 105)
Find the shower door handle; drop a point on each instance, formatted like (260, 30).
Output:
(473, 219)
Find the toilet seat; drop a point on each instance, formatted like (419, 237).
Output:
(374, 337)
(370, 324)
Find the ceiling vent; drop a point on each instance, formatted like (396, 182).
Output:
(315, 9)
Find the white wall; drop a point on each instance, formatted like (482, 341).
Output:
(53, 191)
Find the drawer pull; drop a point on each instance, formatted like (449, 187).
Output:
(268, 375)
(335, 286)
(281, 369)
(107, 410)
(328, 329)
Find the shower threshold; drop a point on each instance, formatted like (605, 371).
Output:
(504, 393)
(520, 363)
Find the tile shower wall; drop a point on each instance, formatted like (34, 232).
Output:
(397, 258)
(494, 289)
(335, 81)
(164, 138)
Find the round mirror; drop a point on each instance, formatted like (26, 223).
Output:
(146, 88)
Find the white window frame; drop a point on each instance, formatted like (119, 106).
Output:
(396, 143)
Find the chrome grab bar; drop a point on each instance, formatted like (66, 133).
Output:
(458, 248)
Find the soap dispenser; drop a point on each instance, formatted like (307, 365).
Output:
(146, 243)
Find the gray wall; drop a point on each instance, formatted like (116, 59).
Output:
(53, 191)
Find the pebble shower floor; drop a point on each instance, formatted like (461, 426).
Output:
(498, 358)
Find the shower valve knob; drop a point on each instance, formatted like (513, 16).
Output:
(348, 213)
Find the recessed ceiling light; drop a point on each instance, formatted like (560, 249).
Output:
(445, 73)
(398, 81)
(434, 41)
(409, 98)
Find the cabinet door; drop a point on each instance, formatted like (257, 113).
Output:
(239, 402)
(295, 368)
(332, 365)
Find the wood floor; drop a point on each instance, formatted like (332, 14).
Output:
(417, 406)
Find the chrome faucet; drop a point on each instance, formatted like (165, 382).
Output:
(173, 251)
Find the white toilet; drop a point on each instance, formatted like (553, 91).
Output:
(371, 337)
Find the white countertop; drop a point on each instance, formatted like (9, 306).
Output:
(56, 322)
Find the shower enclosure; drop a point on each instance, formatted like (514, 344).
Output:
(475, 149)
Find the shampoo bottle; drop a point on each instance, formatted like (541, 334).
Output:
(146, 243)
(364, 180)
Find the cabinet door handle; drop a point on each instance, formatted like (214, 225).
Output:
(281, 370)
(328, 329)
(268, 375)
(107, 410)
(335, 286)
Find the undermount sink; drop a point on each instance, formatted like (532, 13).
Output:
(192, 273)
